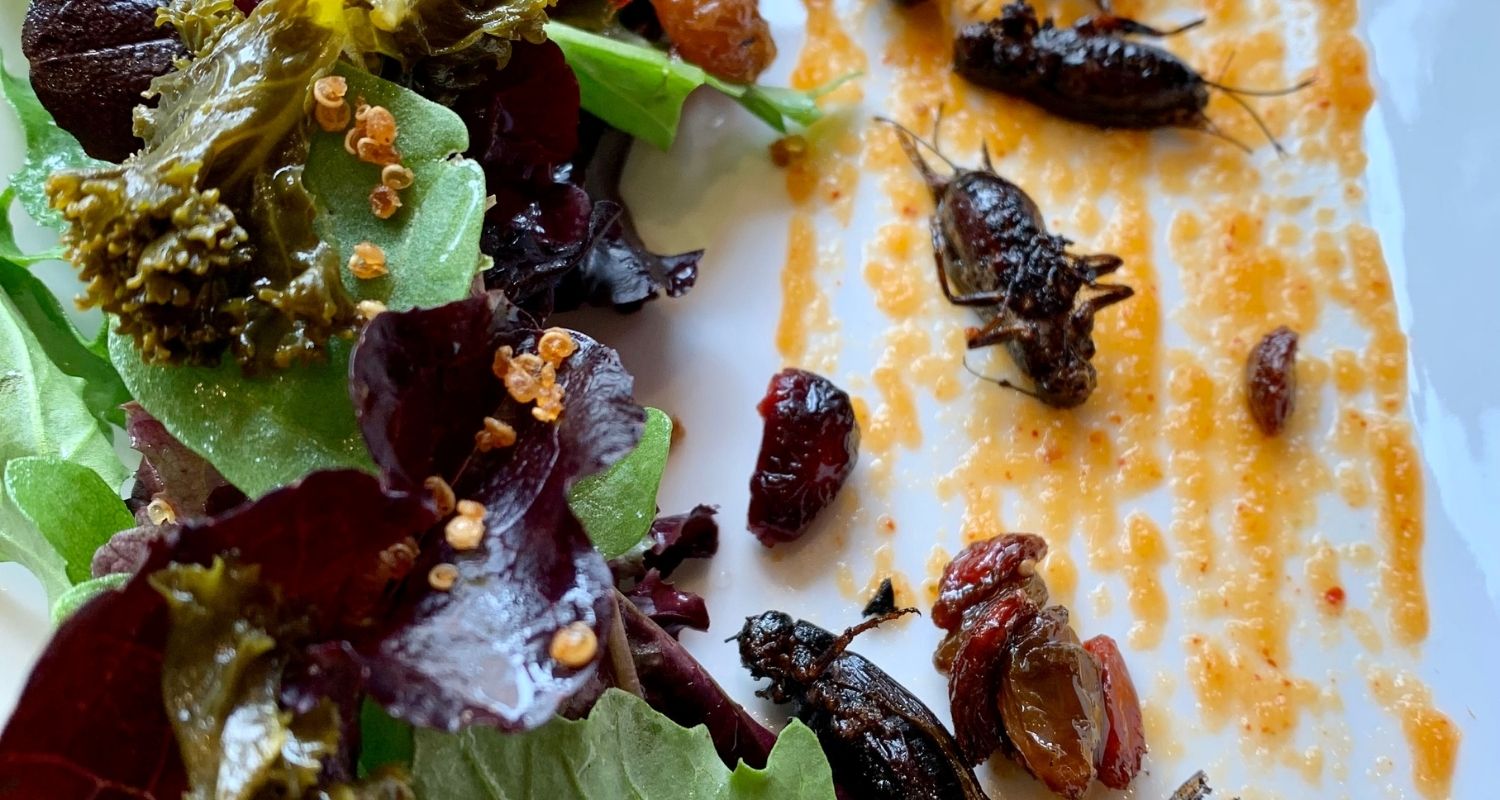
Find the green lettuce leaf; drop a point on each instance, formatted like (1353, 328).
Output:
(432, 244)
(383, 739)
(103, 391)
(48, 148)
(641, 90)
(268, 430)
(617, 506)
(623, 749)
(44, 415)
(76, 595)
(75, 510)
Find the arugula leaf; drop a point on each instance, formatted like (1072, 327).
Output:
(260, 432)
(383, 739)
(11, 251)
(641, 90)
(48, 149)
(103, 391)
(436, 232)
(266, 431)
(44, 416)
(623, 743)
(617, 506)
(76, 595)
(70, 504)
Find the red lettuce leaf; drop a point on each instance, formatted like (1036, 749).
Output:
(479, 651)
(91, 61)
(558, 234)
(667, 606)
(173, 473)
(90, 722)
(675, 684)
(682, 536)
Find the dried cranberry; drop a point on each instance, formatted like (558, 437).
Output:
(1272, 376)
(1125, 745)
(1051, 704)
(985, 569)
(727, 38)
(976, 671)
(807, 451)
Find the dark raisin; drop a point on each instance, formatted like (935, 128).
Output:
(1125, 745)
(978, 664)
(1051, 704)
(807, 450)
(1272, 376)
(728, 38)
(985, 569)
(91, 61)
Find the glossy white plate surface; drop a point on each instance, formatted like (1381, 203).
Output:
(1432, 138)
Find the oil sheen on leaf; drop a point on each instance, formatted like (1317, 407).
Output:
(617, 506)
(266, 431)
(623, 748)
(75, 510)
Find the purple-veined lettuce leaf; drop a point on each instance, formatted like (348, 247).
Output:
(675, 684)
(682, 536)
(558, 233)
(91, 722)
(478, 652)
(669, 607)
(169, 471)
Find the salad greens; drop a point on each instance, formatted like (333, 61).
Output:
(70, 504)
(75, 596)
(641, 90)
(432, 244)
(264, 431)
(203, 241)
(102, 392)
(45, 415)
(48, 150)
(616, 506)
(624, 747)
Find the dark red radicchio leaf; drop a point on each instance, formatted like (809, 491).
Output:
(682, 536)
(676, 685)
(91, 722)
(90, 61)
(479, 651)
(558, 234)
(668, 606)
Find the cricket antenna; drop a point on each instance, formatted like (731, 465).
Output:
(909, 142)
(1000, 381)
(1238, 95)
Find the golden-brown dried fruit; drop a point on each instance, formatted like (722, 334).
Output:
(728, 38)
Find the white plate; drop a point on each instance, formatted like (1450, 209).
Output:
(706, 358)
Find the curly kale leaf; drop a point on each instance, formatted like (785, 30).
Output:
(203, 241)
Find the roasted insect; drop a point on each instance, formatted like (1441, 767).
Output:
(1020, 680)
(807, 450)
(881, 741)
(995, 255)
(1271, 380)
(1088, 72)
